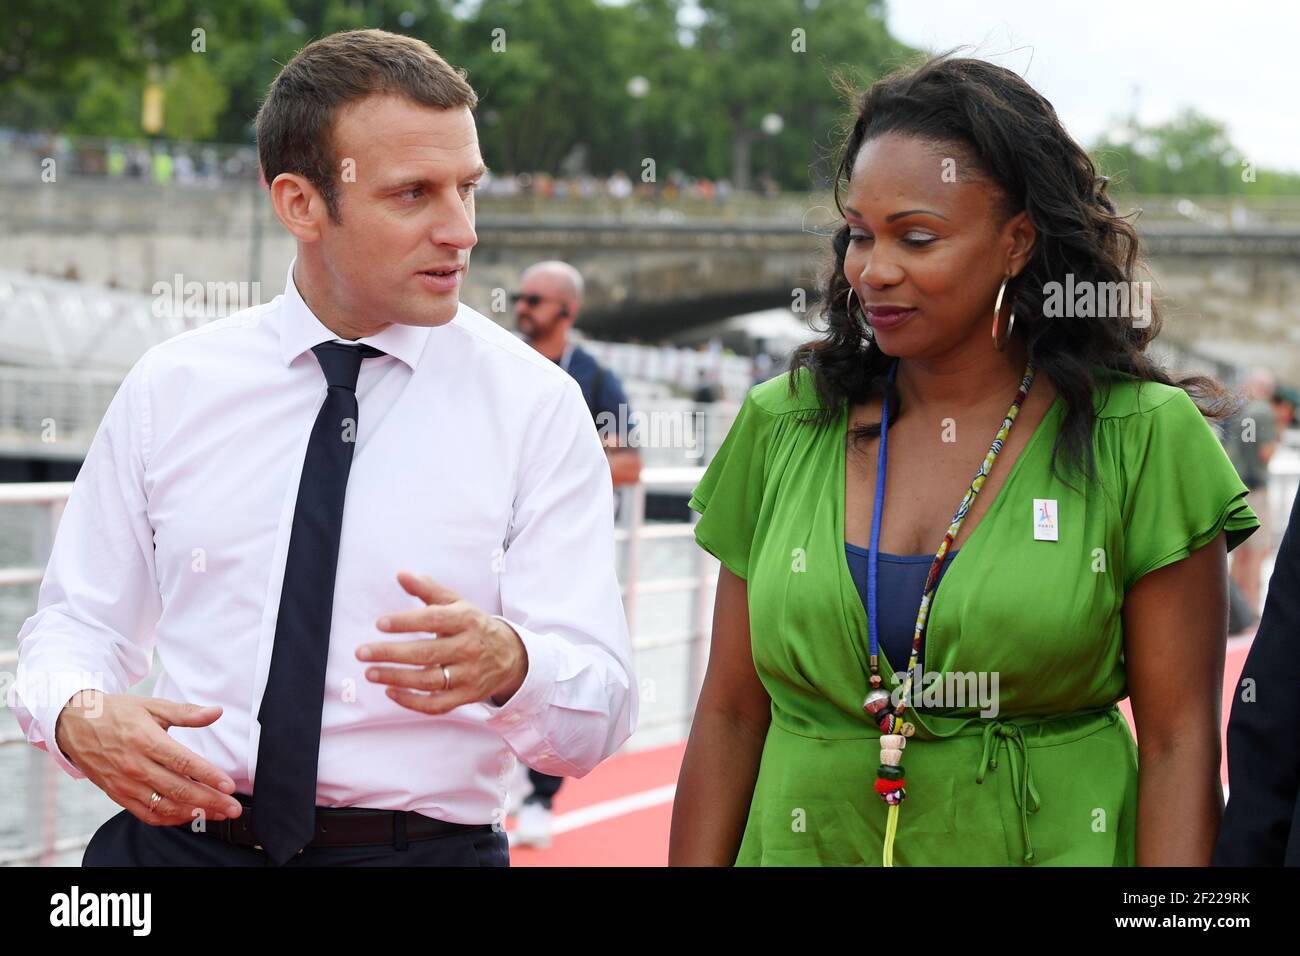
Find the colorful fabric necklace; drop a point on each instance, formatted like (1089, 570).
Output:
(894, 730)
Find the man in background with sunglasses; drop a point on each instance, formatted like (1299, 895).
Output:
(546, 308)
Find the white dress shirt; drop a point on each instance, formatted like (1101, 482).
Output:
(475, 463)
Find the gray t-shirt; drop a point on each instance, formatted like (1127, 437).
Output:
(1254, 421)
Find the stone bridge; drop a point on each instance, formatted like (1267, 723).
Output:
(1231, 291)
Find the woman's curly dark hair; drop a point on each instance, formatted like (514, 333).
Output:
(1013, 138)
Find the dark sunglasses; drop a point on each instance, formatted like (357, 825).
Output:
(533, 299)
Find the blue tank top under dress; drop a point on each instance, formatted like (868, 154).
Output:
(900, 587)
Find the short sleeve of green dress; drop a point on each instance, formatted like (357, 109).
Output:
(730, 495)
(1168, 518)
(1020, 755)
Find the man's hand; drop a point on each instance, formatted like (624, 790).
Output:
(120, 742)
(483, 655)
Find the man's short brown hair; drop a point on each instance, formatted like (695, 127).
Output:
(295, 122)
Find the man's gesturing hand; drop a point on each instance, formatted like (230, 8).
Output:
(483, 655)
(120, 742)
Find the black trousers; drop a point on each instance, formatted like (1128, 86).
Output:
(125, 841)
(545, 787)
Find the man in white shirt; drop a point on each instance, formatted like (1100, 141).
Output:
(472, 556)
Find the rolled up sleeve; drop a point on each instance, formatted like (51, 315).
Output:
(98, 602)
(559, 592)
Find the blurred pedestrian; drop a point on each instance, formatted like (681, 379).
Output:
(1250, 437)
(546, 308)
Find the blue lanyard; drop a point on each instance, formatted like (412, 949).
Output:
(882, 459)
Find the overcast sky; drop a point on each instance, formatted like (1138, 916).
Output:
(1238, 62)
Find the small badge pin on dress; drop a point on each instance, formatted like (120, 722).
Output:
(1046, 527)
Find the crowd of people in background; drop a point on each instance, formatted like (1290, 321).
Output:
(618, 186)
(161, 161)
(214, 164)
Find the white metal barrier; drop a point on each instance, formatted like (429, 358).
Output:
(633, 533)
(52, 413)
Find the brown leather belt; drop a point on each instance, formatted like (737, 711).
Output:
(345, 826)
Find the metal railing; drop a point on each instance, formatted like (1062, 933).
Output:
(70, 344)
(42, 775)
(52, 413)
(633, 533)
(63, 324)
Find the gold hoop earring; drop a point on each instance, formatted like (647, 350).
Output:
(997, 315)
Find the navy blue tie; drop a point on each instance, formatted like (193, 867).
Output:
(284, 789)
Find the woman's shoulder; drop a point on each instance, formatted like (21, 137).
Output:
(1144, 426)
(1118, 395)
(777, 396)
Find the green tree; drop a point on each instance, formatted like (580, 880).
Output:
(106, 107)
(194, 99)
(553, 77)
(779, 58)
(1191, 154)
(56, 53)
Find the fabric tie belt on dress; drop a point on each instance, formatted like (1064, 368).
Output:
(1022, 779)
(1011, 734)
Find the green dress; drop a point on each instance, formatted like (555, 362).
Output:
(1051, 778)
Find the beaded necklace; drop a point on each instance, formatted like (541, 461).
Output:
(894, 730)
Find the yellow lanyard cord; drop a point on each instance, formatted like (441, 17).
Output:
(891, 828)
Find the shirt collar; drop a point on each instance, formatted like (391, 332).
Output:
(300, 330)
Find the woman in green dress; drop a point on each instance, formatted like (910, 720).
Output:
(972, 294)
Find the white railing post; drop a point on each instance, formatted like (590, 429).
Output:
(41, 791)
(633, 558)
(42, 805)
